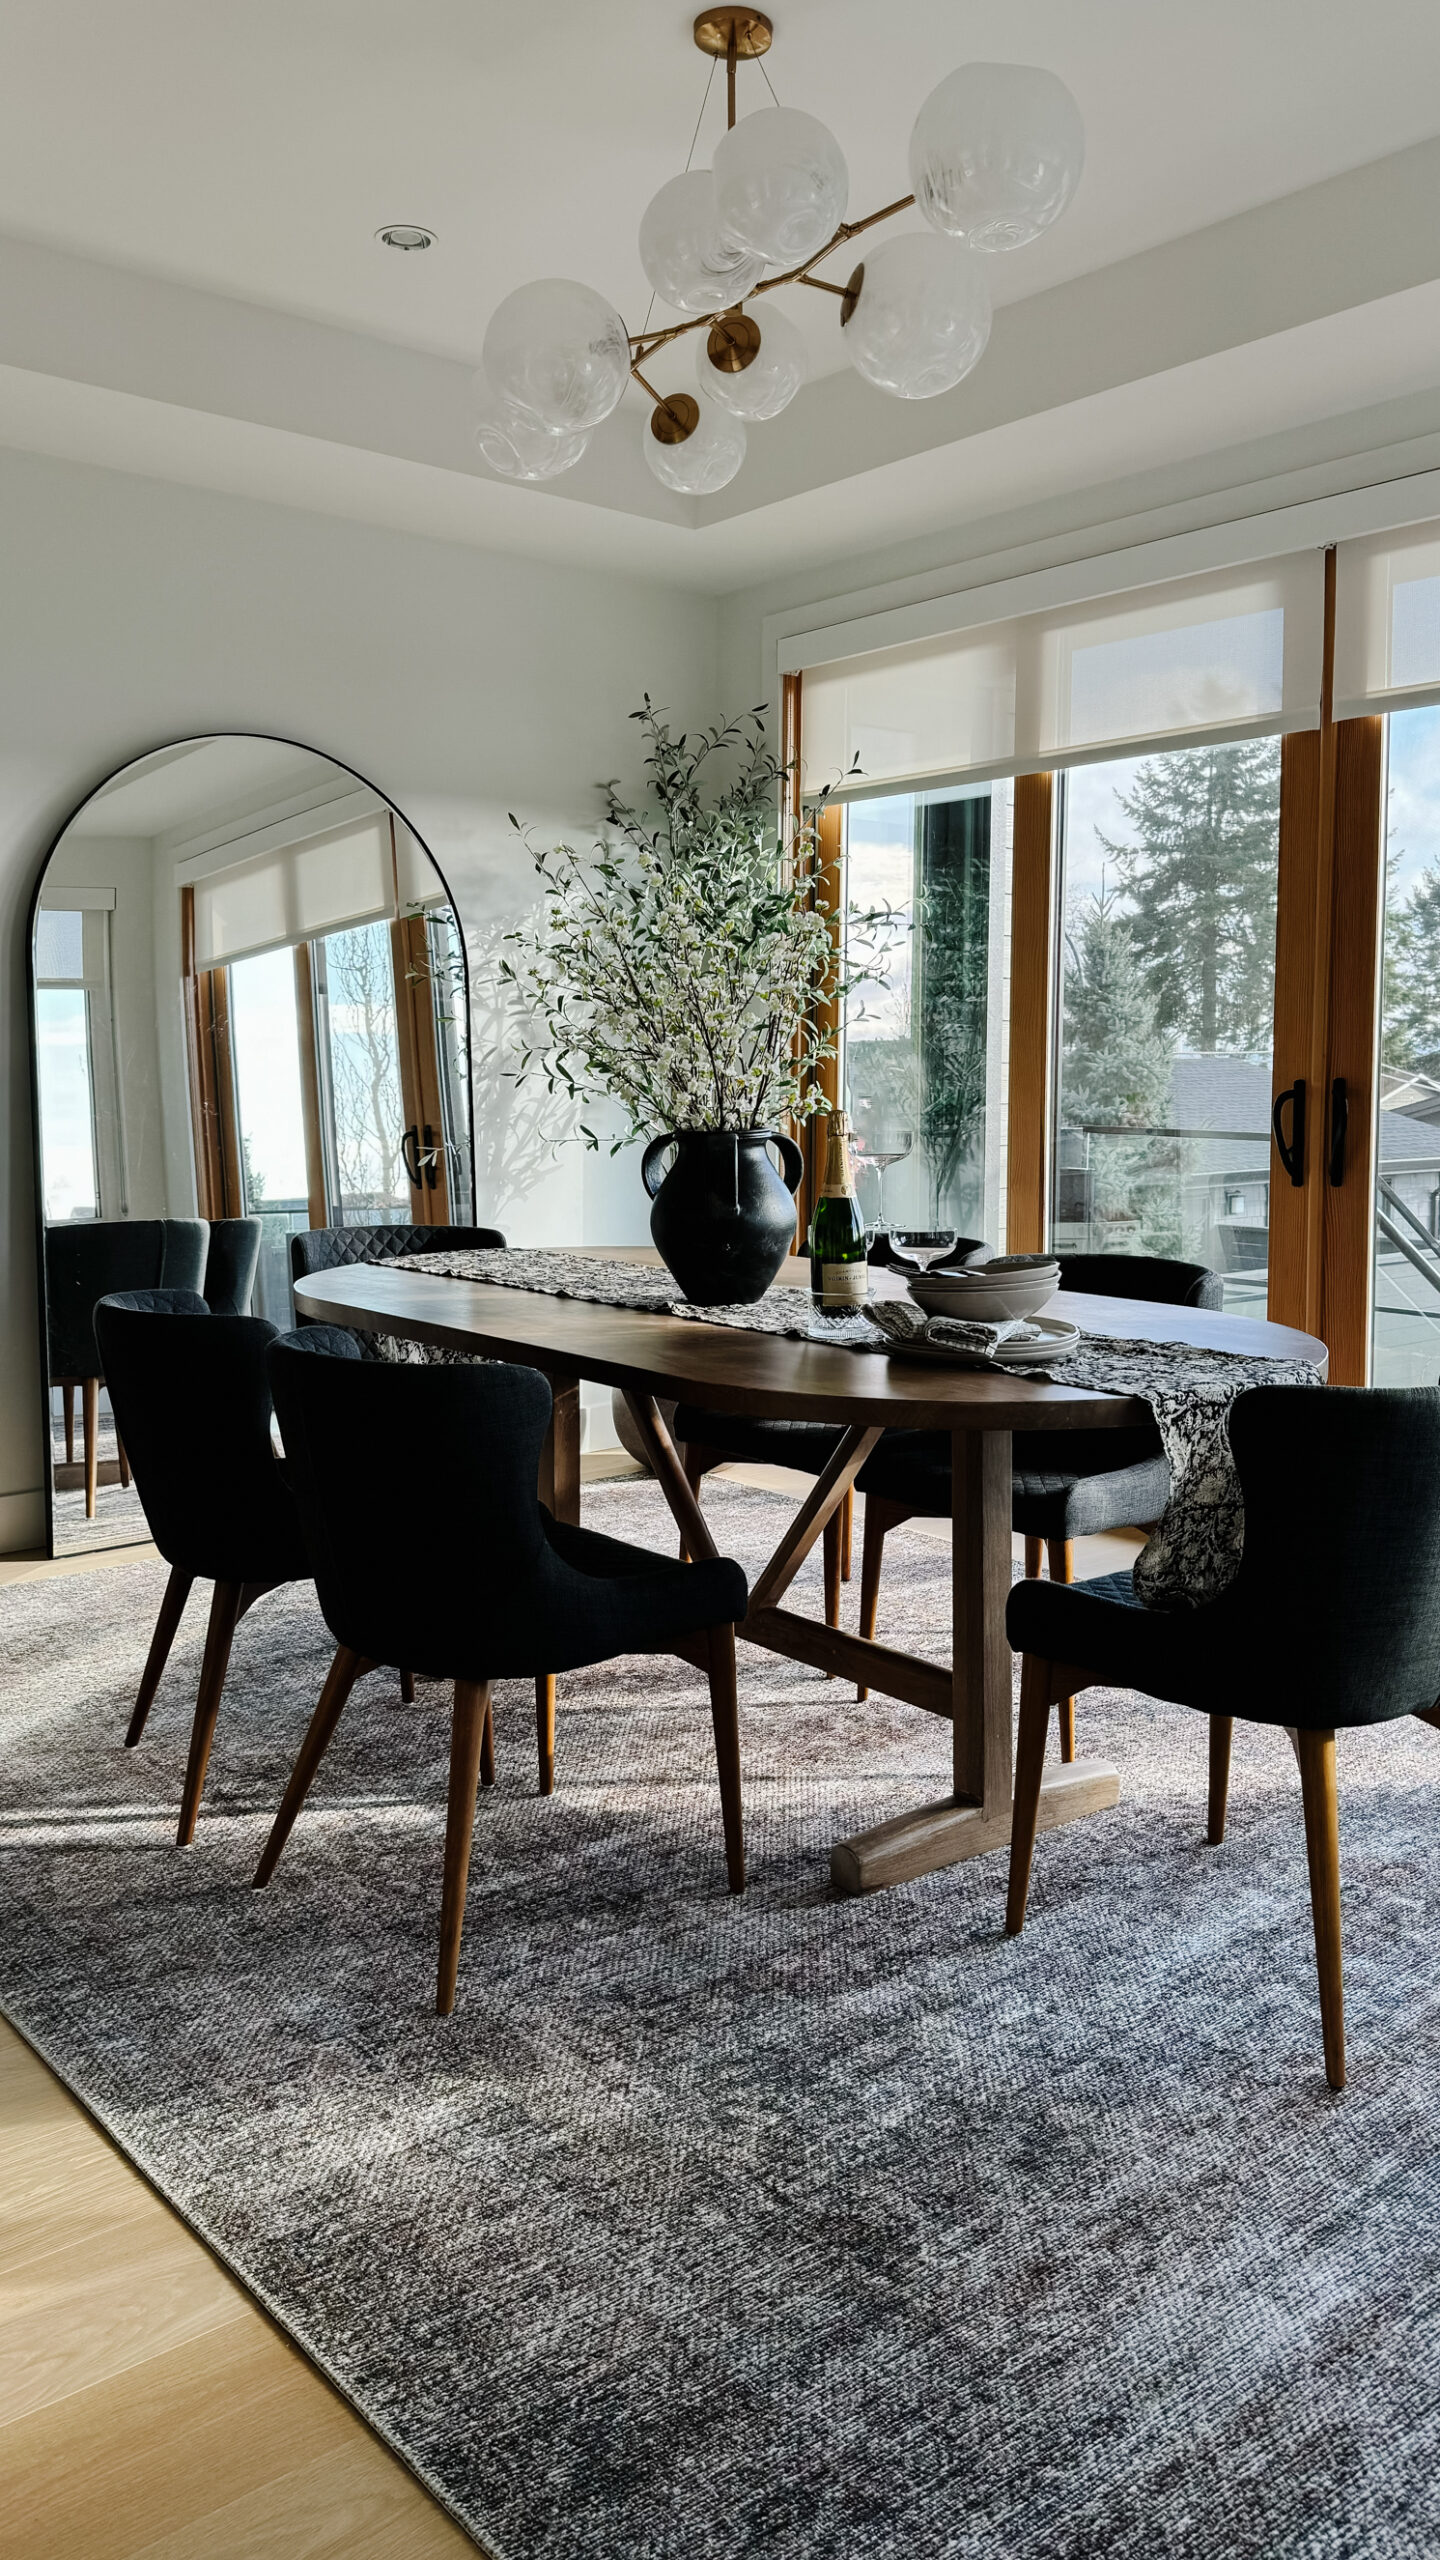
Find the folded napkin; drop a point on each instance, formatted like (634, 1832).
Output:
(904, 1323)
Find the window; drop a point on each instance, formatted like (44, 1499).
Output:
(359, 1038)
(1167, 982)
(79, 1134)
(1406, 1321)
(925, 1037)
(270, 1116)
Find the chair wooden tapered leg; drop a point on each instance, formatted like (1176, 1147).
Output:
(1034, 1558)
(121, 1459)
(1029, 1770)
(1222, 1730)
(725, 1717)
(847, 1532)
(696, 1462)
(469, 1726)
(226, 1609)
(872, 1559)
(545, 1729)
(172, 1606)
(90, 1417)
(68, 1394)
(407, 1688)
(831, 1546)
(487, 1746)
(1062, 1569)
(340, 1679)
(1316, 1754)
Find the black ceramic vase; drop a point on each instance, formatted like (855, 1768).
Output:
(723, 1220)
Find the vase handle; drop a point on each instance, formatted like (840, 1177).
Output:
(656, 1148)
(792, 1163)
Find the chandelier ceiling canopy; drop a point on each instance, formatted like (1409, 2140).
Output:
(995, 157)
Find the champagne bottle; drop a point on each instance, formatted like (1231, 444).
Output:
(839, 1273)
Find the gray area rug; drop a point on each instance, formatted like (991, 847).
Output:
(788, 2226)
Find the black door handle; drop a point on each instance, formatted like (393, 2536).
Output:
(1292, 1156)
(1339, 1124)
(410, 1156)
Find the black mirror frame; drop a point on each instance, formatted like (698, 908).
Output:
(265, 737)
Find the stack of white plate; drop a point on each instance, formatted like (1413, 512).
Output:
(1013, 1284)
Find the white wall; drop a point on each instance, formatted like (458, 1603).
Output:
(462, 685)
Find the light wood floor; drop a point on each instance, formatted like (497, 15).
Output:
(148, 2409)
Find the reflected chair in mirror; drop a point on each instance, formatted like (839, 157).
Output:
(334, 1248)
(230, 1266)
(83, 1264)
(417, 1490)
(217, 1505)
(1331, 1621)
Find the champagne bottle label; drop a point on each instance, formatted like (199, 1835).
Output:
(844, 1284)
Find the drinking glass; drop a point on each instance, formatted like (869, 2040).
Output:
(881, 1145)
(920, 1248)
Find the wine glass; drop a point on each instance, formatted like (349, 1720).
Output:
(883, 1146)
(920, 1248)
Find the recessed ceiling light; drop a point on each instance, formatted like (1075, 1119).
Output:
(406, 235)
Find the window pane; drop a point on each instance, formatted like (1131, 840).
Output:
(59, 944)
(1407, 1210)
(266, 1042)
(1167, 1002)
(357, 987)
(67, 1103)
(925, 1036)
(452, 1042)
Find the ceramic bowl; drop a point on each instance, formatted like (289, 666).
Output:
(990, 1301)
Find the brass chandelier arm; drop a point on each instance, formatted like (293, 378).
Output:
(644, 343)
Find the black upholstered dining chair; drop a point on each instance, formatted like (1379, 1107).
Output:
(453, 1565)
(231, 1260)
(192, 1399)
(84, 1262)
(333, 1248)
(1067, 1484)
(1332, 1620)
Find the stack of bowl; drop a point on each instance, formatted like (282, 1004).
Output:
(1012, 1284)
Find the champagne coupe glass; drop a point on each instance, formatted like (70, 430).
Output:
(920, 1248)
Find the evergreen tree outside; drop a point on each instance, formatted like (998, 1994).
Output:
(954, 919)
(1198, 878)
(1410, 1004)
(1115, 1074)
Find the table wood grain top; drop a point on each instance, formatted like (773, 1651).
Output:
(767, 1374)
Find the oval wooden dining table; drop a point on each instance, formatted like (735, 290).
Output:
(650, 1357)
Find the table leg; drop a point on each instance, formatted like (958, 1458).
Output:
(560, 1455)
(976, 1818)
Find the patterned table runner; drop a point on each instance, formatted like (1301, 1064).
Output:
(1196, 1546)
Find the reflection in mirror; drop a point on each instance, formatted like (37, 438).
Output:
(250, 1019)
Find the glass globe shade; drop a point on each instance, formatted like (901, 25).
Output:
(996, 154)
(707, 460)
(683, 254)
(770, 381)
(922, 318)
(559, 351)
(516, 445)
(781, 184)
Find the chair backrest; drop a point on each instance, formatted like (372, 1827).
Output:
(192, 1403)
(1142, 1275)
(1338, 1595)
(331, 1248)
(417, 1491)
(230, 1265)
(94, 1257)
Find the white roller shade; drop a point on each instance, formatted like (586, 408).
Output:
(1387, 621)
(298, 892)
(1234, 654)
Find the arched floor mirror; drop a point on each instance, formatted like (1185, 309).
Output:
(250, 1015)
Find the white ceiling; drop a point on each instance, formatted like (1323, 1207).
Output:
(190, 285)
(256, 148)
(188, 789)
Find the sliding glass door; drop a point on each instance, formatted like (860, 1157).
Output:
(1406, 1317)
(924, 1041)
(1166, 984)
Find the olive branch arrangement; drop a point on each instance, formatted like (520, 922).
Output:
(687, 969)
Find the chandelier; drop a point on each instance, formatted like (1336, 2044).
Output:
(995, 156)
